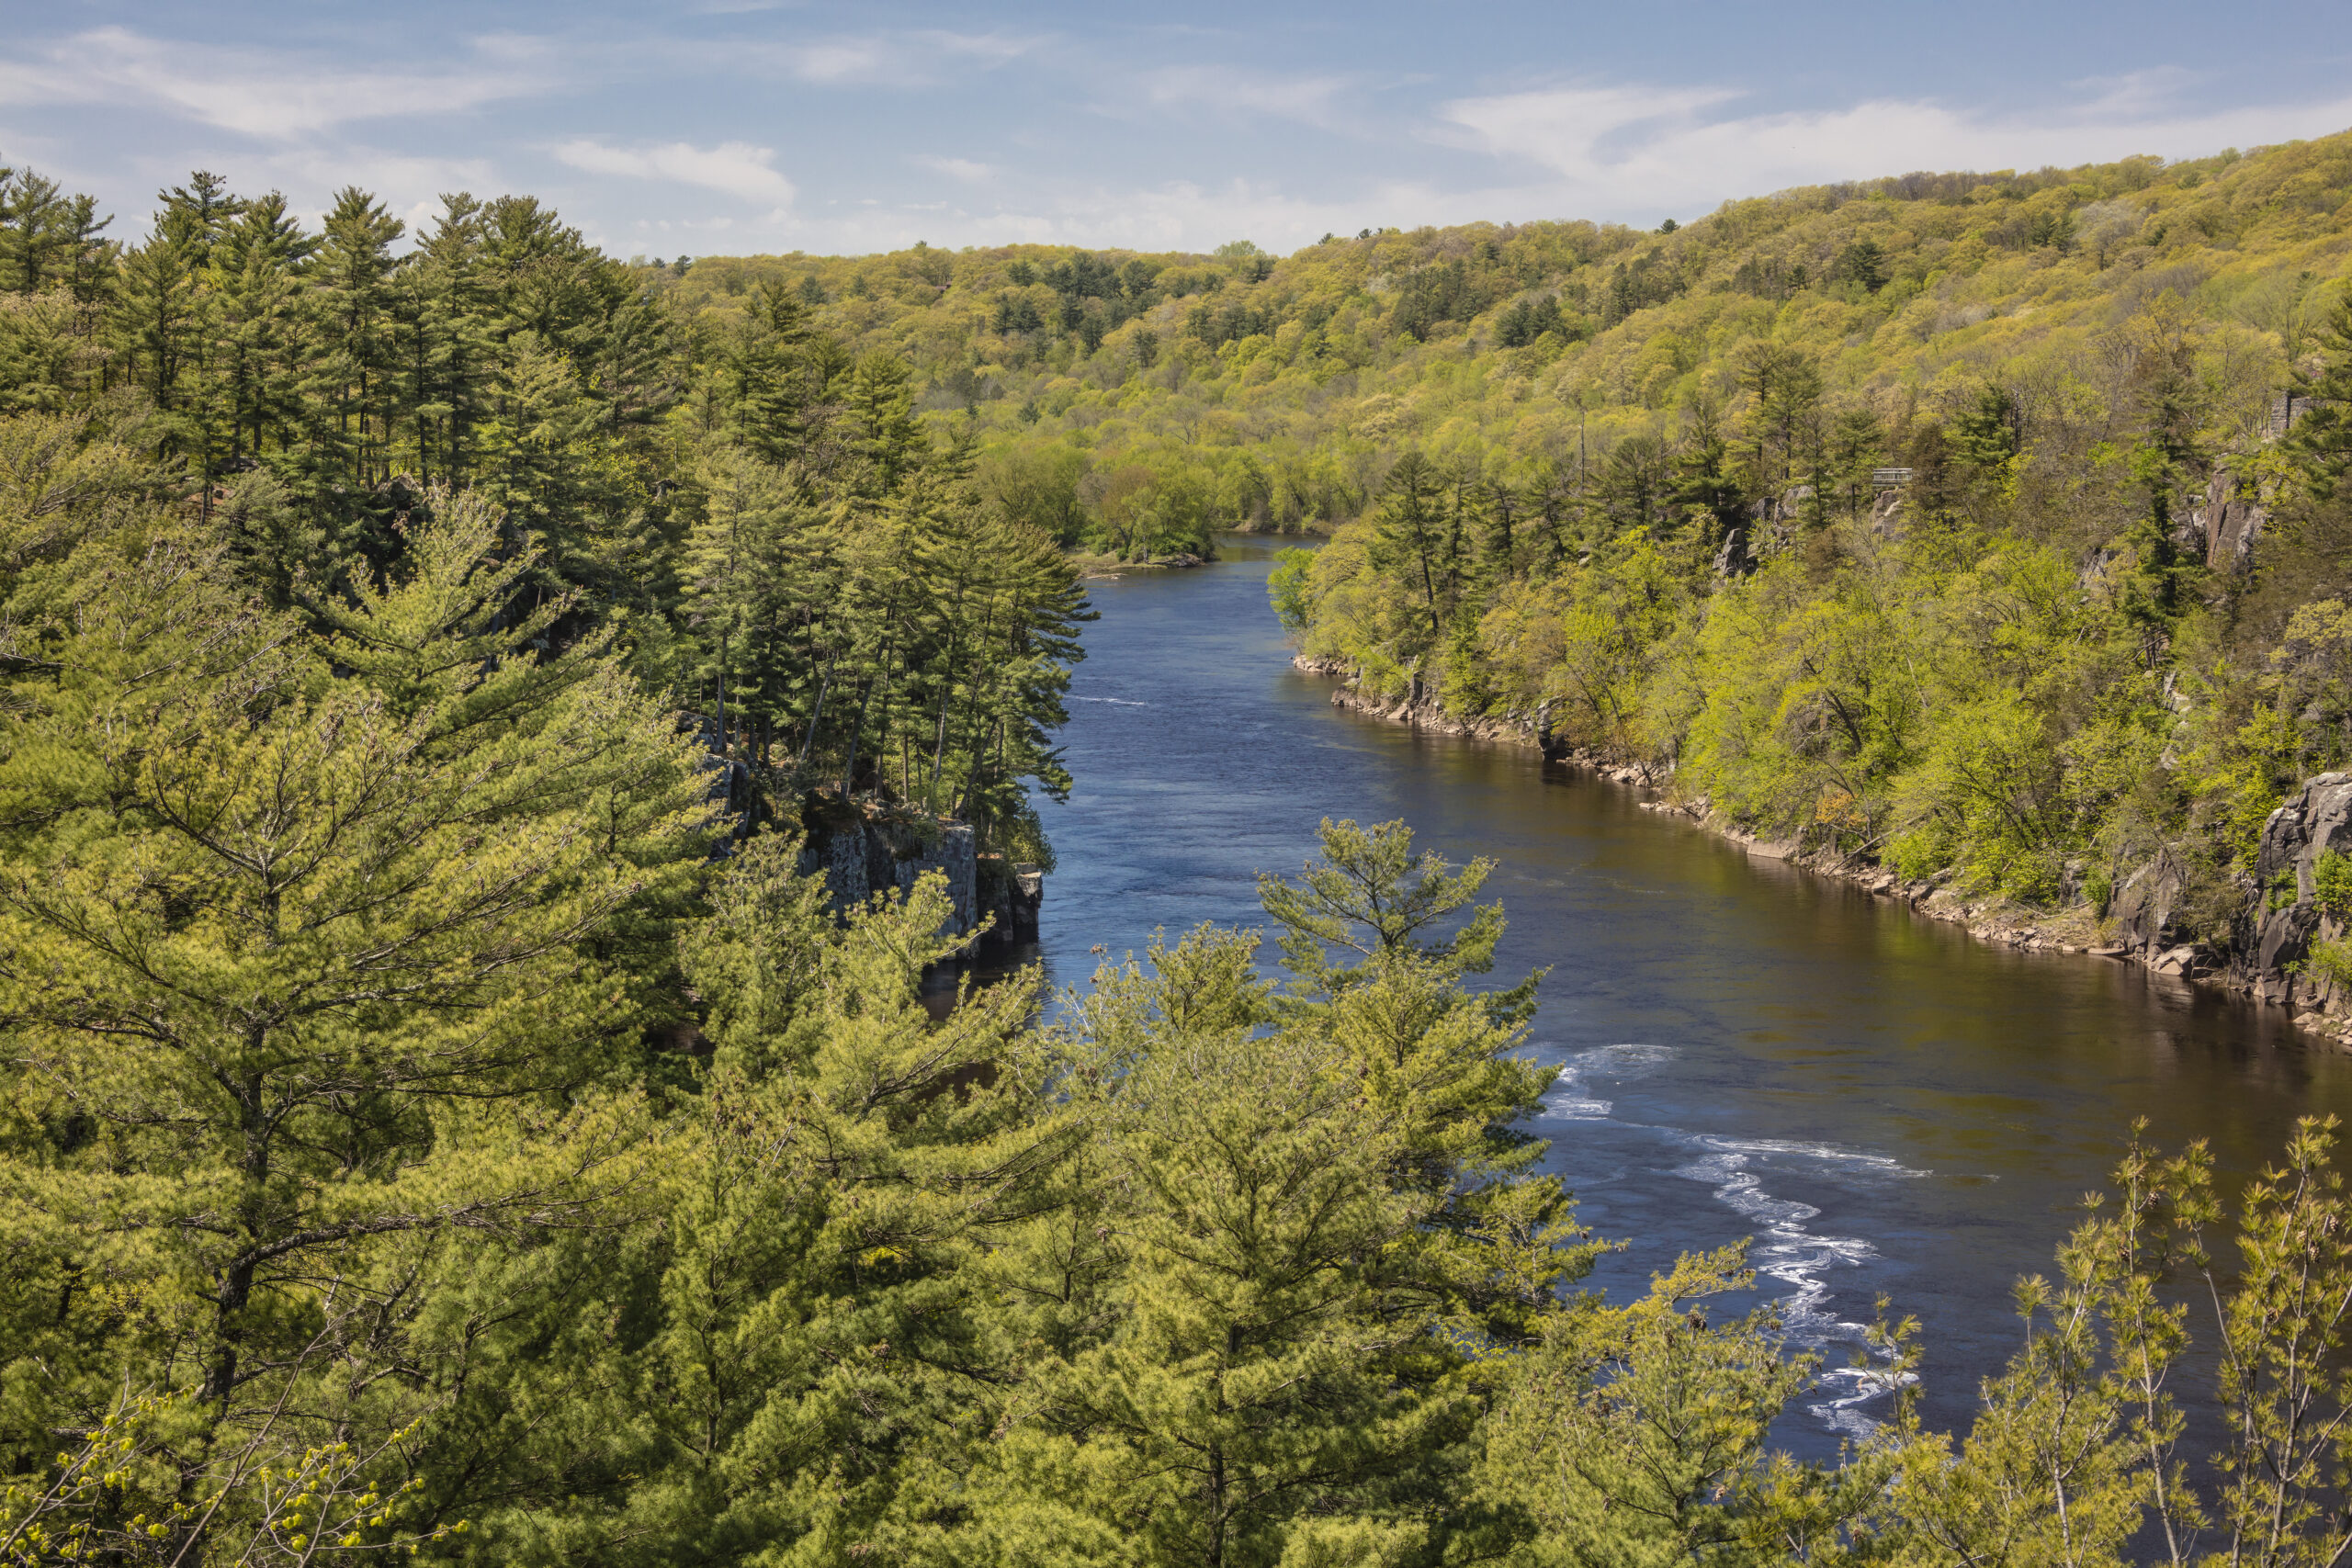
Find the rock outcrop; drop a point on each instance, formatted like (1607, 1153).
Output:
(861, 856)
(1733, 557)
(2227, 525)
(2287, 916)
(1421, 707)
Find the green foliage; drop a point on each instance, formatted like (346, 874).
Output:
(2010, 659)
(2331, 883)
(1288, 587)
(760, 516)
(414, 1139)
(1635, 1435)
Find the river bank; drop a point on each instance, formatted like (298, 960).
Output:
(2267, 967)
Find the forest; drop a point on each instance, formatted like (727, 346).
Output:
(752, 518)
(439, 1125)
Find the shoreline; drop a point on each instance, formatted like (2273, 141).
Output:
(2073, 930)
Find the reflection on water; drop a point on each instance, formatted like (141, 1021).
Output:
(1746, 1049)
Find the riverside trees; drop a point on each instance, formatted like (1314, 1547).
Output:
(2028, 659)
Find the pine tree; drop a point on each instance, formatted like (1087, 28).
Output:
(444, 347)
(878, 422)
(270, 929)
(1255, 1361)
(801, 1335)
(2320, 436)
(351, 300)
(756, 569)
(1410, 530)
(766, 375)
(259, 366)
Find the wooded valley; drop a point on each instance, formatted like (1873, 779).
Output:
(1982, 526)
(440, 1121)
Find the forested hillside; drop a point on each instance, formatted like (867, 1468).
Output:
(1953, 521)
(1116, 391)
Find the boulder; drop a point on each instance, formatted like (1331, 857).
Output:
(1733, 558)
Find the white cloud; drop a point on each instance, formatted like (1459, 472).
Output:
(258, 93)
(1310, 100)
(1569, 128)
(1607, 151)
(1626, 149)
(906, 59)
(962, 169)
(737, 168)
(848, 60)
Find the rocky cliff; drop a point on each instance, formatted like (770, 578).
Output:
(863, 850)
(2286, 914)
(861, 855)
(2225, 527)
(2267, 953)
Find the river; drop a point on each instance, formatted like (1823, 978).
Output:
(1744, 1049)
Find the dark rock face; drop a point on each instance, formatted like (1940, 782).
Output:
(861, 858)
(2144, 903)
(1020, 893)
(1733, 557)
(2285, 918)
(2227, 525)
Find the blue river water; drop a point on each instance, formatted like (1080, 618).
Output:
(1744, 1049)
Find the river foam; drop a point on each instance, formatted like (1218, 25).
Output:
(1572, 1102)
(1784, 1247)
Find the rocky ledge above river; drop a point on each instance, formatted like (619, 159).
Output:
(863, 853)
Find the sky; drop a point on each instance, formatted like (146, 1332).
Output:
(736, 127)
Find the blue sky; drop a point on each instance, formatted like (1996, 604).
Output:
(743, 126)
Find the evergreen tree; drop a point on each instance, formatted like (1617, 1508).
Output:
(258, 367)
(2320, 436)
(1711, 492)
(877, 423)
(292, 937)
(1410, 532)
(351, 379)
